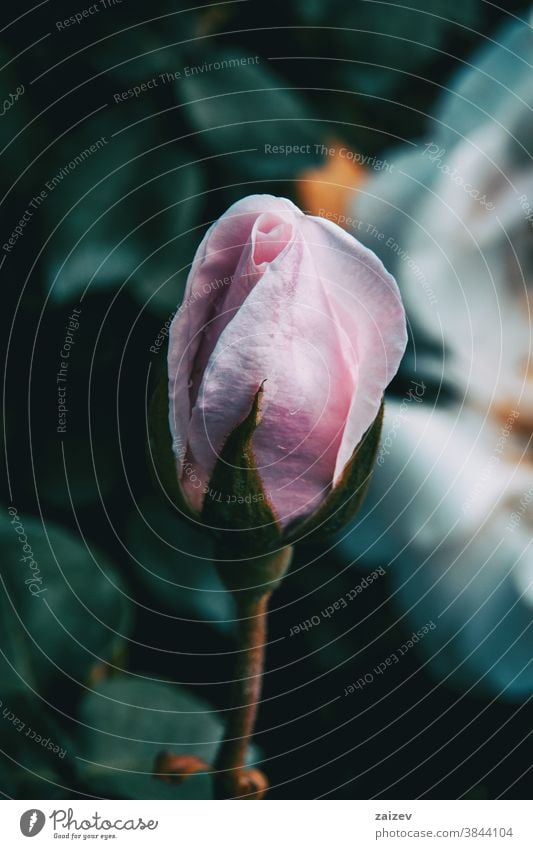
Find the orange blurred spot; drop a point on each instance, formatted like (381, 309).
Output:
(98, 673)
(174, 769)
(331, 187)
(212, 21)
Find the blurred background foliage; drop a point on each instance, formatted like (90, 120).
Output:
(136, 633)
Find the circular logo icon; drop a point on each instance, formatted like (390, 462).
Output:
(32, 822)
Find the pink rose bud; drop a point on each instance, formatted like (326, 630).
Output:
(289, 332)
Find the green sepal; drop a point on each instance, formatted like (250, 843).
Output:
(345, 499)
(236, 506)
(251, 578)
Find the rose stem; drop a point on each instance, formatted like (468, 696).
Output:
(232, 778)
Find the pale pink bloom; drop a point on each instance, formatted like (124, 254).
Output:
(290, 301)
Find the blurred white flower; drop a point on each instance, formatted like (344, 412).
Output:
(440, 512)
(451, 503)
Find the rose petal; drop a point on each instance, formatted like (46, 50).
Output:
(284, 334)
(210, 277)
(367, 306)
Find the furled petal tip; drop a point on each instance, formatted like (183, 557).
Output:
(295, 305)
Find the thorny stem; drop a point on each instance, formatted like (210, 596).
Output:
(232, 779)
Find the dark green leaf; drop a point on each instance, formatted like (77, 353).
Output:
(128, 722)
(174, 563)
(78, 616)
(127, 213)
(236, 102)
